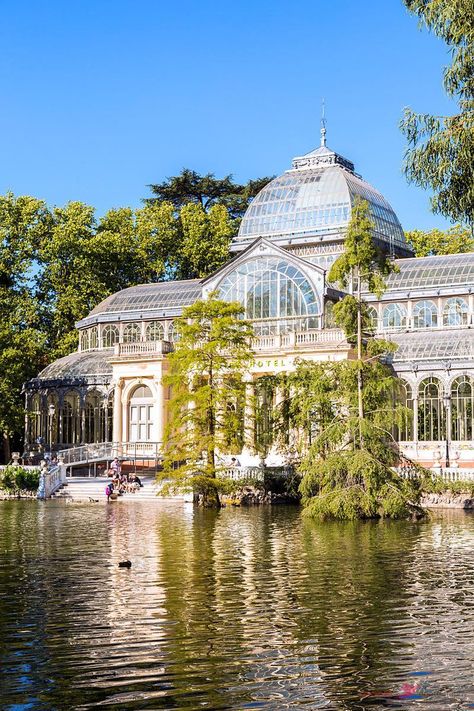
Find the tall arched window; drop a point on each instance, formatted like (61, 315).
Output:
(35, 418)
(132, 333)
(154, 331)
(431, 411)
(394, 316)
(71, 418)
(329, 321)
(462, 409)
(173, 334)
(425, 314)
(52, 413)
(141, 412)
(93, 337)
(85, 340)
(455, 312)
(95, 415)
(270, 288)
(110, 336)
(405, 432)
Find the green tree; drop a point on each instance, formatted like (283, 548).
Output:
(206, 374)
(440, 154)
(82, 261)
(362, 264)
(205, 240)
(206, 191)
(24, 222)
(347, 410)
(455, 240)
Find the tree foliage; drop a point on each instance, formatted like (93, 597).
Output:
(455, 240)
(24, 223)
(440, 154)
(206, 376)
(57, 263)
(345, 412)
(207, 191)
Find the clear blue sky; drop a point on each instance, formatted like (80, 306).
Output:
(101, 97)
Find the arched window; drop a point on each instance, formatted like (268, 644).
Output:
(141, 411)
(462, 409)
(95, 416)
(132, 333)
(52, 414)
(93, 337)
(71, 418)
(110, 336)
(404, 432)
(394, 316)
(173, 334)
(154, 331)
(455, 312)
(272, 288)
(373, 318)
(425, 314)
(329, 321)
(35, 418)
(84, 340)
(431, 411)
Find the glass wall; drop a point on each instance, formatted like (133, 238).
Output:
(273, 292)
(431, 411)
(462, 409)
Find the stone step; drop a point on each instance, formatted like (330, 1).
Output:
(86, 488)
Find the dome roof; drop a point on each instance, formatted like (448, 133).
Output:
(315, 198)
(163, 299)
(149, 297)
(90, 364)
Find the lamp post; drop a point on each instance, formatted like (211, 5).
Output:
(447, 424)
(51, 414)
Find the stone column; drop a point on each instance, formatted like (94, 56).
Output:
(160, 411)
(117, 416)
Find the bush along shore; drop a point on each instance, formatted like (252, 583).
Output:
(18, 483)
(272, 490)
(435, 492)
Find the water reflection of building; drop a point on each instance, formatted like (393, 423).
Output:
(111, 388)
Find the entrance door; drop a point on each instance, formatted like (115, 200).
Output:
(141, 415)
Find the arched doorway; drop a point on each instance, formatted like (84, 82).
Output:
(140, 415)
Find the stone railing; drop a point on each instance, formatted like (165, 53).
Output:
(301, 339)
(236, 473)
(446, 473)
(51, 479)
(142, 348)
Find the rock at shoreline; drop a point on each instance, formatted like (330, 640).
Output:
(447, 500)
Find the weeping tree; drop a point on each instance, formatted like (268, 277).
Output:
(206, 376)
(440, 153)
(346, 412)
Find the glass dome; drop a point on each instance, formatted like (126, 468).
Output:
(315, 197)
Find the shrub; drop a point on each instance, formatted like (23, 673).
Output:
(19, 479)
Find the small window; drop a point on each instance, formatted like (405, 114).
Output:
(455, 312)
(93, 337)
(394, 316)
(155, 331)
(84, 340)
(131, 333)
(425, 315)
(110, 336)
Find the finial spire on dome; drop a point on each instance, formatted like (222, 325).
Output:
(323, 123)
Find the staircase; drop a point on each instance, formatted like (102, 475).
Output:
(87, 488)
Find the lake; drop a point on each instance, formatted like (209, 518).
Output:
(237, 609)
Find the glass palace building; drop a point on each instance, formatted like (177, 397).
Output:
(111, 389)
